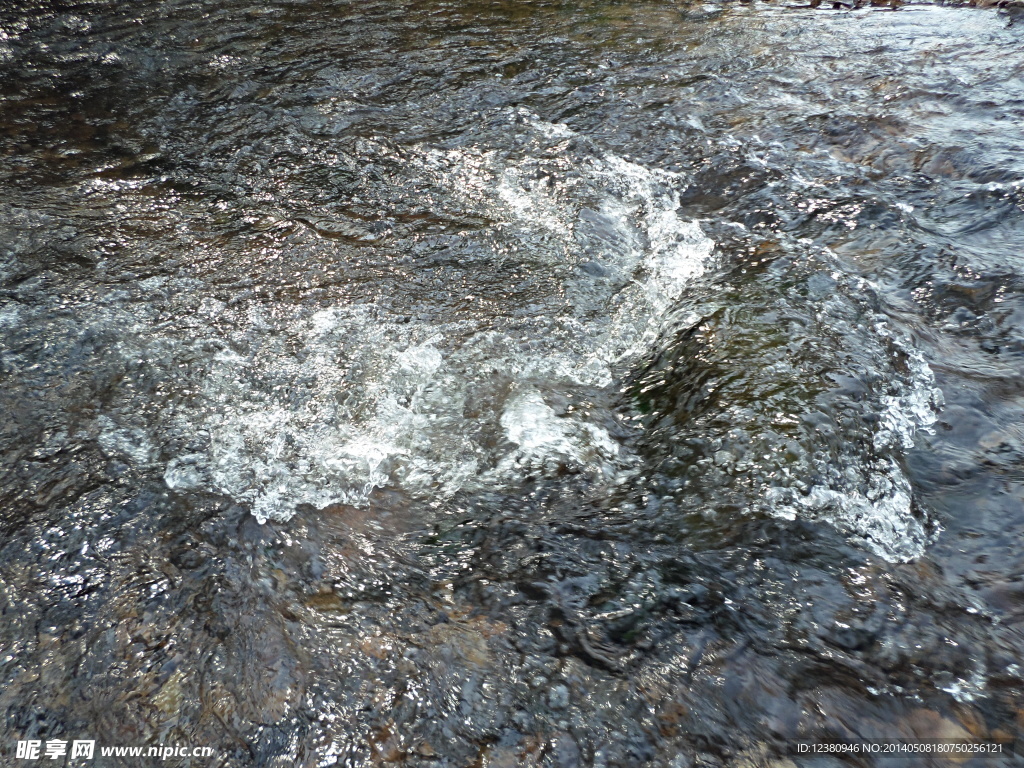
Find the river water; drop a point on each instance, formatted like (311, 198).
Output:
(510, 383)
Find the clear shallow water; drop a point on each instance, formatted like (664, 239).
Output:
(623, 385)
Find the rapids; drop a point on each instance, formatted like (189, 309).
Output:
(510, 383)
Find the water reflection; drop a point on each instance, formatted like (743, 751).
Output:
(652, 503)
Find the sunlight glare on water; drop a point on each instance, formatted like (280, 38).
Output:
(497, 383)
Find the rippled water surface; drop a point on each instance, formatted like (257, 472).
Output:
(510, 383)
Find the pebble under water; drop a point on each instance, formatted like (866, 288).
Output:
(495, 384)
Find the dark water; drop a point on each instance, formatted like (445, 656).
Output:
(510, 383)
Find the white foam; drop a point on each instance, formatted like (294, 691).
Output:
(434, 406)
(548, 442)
(867, 496)
(324, 407)
(881, 518)
(131, 443)
(911, 407)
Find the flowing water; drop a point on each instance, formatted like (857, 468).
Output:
(510, 383)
